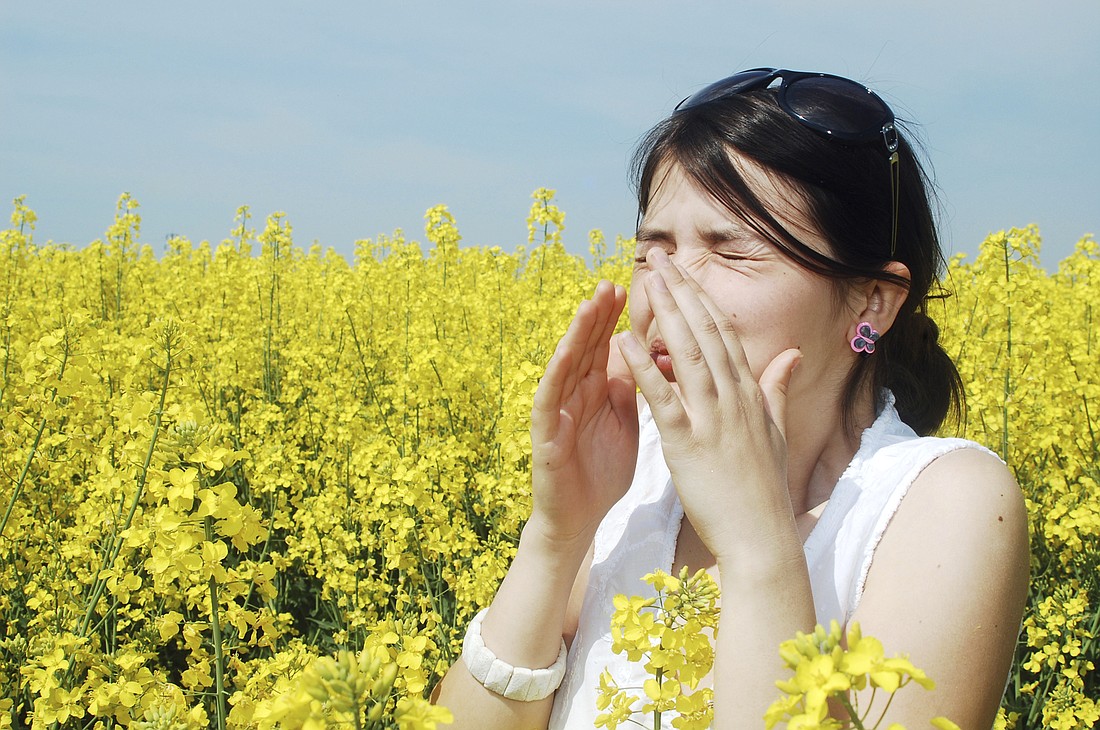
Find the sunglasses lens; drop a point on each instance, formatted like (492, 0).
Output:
(838, 107)
(729, 86)
(831, 105)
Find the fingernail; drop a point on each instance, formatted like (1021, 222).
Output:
(660, 258)
(628, 342)
(658, 282)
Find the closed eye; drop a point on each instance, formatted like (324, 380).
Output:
(648, 239)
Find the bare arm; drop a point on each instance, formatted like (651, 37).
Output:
(948, 586)
(524, 626)
(584, 441)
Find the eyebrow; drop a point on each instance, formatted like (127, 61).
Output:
(726, 234)
(648, 234)
(712, 236)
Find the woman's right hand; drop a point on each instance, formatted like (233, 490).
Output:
(584, 444)
(584, 427)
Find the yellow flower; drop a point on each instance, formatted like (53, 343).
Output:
(667, 632)
(343, 445)
(824, 669)
(418, 714)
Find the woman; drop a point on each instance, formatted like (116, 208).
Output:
(787, 372)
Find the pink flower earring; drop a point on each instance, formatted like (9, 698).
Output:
(865, 339)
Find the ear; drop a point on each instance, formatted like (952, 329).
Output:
(883, 299)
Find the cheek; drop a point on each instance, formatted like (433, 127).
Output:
(759, 354)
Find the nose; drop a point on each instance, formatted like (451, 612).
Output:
(689, 260)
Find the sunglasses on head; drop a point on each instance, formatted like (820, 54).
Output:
(832, 106)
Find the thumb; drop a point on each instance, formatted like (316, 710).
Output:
(774, 382)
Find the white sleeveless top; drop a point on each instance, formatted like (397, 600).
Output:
(639, 533)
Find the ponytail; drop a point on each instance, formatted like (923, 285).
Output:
(926, 384)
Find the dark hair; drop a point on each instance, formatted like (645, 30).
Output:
(846, 191)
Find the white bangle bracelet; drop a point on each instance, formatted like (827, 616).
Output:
(499, 677)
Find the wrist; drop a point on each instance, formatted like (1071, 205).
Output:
(526, 621)
(542, 539)
(762, 563)
(500, 677)
(767, 533)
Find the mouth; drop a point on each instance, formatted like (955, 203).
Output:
(659, 354)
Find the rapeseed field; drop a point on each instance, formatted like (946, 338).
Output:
(249, 485)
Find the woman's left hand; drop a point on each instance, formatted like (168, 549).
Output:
(722, 431)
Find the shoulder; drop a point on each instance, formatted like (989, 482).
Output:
(948, 581)
(949, 504)
(964, 502)
(970, 485)
(884, 478)
(969, 499)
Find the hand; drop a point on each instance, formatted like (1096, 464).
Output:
(584, 426)
(722, 432)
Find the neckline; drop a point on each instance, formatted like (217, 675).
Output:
(886, 421)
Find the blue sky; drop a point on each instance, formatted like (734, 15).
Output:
(354, 118)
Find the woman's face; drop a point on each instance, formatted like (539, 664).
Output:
(773, 303)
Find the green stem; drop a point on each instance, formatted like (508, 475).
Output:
(1088, 421)
(23, 475)
(1040, 698)
(1008, 357)
(118, 287)
(542, 261)
(366, 376)
(34, 446)
(271, 375)
(656, 712)
(112, 553)
(1091, 634)
(216, 628)
(97, 591)
(889, 700)
(857, 724)
(444, 399)
(7, 356)
(436, 601)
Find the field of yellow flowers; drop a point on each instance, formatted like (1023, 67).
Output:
(247, 485)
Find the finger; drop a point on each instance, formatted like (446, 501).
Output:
(774, 384)
(610, 299)
(591, 320)
(546, 420)
(664, 403)
(687, 327)
(603, 303)
(559, 378)
(735, 352)
(622, 391)
(604, 350)
(579, 349)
